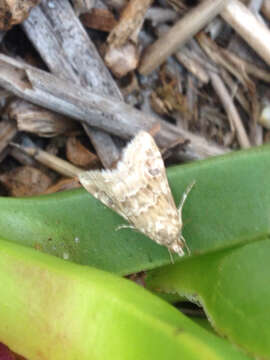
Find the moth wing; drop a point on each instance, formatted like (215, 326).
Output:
(138, 188)
(145, 169)
(98, 183)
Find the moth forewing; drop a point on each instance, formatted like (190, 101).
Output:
(138, 190)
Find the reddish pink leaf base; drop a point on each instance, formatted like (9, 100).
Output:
(5, 353)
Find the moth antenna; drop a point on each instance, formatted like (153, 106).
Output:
(184, 197)
(184, 241)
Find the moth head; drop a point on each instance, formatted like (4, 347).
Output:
(177, 247)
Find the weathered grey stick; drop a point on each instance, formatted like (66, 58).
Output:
(65, 47)
(106, 113)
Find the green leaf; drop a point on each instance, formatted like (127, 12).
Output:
(53, 309)
(233, 287)
(229, 205)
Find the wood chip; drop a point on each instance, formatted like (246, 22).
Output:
(63, 185)
(77, 154)
(39, 121)
(122, 60)
(14, 12)
(122, 55)
(25, 181)
(99, 19)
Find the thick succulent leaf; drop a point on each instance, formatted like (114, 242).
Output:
(233, 287)
(53, 309)
(229, 205)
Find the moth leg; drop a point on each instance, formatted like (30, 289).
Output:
(184, 241)
(171, 257)
(124, 226)
(184, 197)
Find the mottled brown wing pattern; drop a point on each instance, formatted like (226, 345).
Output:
(138, 190)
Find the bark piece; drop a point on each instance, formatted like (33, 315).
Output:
(65, 47)
(99, 111)
(25, 181)
(34, 119)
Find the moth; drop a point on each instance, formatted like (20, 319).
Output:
(138, 190)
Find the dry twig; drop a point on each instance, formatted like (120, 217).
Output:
(179, 34)
(245, 23)
(233, 116)
(69, 53)
(99, 111)
(53, 162)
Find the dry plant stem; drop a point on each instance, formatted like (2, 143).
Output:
(188, 59)
(235, 90)
(130, 23)
(245, 23)
(230, 109)
(216, 55)
(255, 5)
(179, 34)
(235, 67)
(51, 161)
(8, 130)
(65, 47)
(249, 68)
(266, 9)
(99, 111)
(22, 157)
